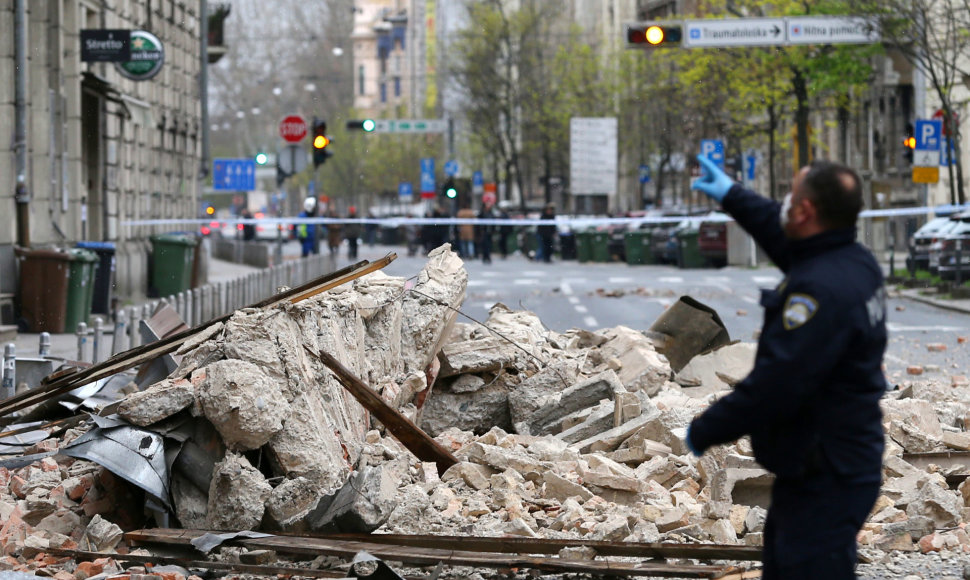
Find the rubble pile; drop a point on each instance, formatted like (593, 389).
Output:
(557, 435)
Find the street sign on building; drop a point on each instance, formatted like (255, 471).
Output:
(593, 155)
(233, 174)
(293, 128)
(105, 45)
(451, 168)
(410, 125)
(926, 154)
(428, 186)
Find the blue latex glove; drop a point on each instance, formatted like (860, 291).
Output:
(713, 182)
(690, 444)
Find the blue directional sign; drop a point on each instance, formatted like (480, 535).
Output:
(713, 149)
(644, 172)
(404, 191)
(947, 153)
(478, 183)
(234, 174)
(451, 168)
(428, 186)
(929, 133)
(750, 161)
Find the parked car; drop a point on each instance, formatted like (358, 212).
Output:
(712, 239)
(952, 252)
(920, 242)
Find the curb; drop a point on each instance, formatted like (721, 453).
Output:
(934, 302)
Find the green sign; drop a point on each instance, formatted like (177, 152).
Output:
(147, 56)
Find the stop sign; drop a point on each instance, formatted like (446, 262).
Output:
(293, 129)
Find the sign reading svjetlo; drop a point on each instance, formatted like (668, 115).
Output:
(147, 56)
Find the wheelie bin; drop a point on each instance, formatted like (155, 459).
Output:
(80, 288)
(104, 281)
(44, 276)
(584, 246)
(689, 254)
(600, 246)
(638, 247)
(173, 259)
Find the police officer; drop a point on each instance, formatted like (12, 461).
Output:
(307, 232)
(811, 403)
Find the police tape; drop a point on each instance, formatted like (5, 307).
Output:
(559, 221)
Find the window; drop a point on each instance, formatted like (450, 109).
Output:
(383, 92)
(360, 80)
(397, 86)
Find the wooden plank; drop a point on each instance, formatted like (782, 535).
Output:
(410, 435)
(136, 356)
(262, 570)
(431, 556)
(553, 546)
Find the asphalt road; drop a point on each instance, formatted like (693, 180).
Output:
(568, 294)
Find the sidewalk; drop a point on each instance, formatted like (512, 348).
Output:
(915, 294)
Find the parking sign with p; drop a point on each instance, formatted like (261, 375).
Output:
(713, 149)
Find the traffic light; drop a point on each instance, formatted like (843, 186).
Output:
(261, 158)
(654, 34)
(451, 192)
(909, 143)
(320, 142)
(366, 125)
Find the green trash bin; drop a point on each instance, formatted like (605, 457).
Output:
(80, 287)
(600, 246)
(174, 258)
(638, 247)
(689, 254)
(584, 246)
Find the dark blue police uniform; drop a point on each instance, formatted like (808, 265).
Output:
(811, 403)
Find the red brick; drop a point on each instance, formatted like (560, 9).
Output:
(17, 485)
(48, 464)
(89, 569)
(914, 370)
(936, 347)
(961, 339)
(77, 487)
(64, 575)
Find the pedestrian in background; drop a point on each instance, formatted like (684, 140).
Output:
(466, 234)
(547, 232)
(352, 233)
(334, 232)
(486, 230)
(811, 403)
(307, 232)
(248, 230)
(370, 229)
(504, 233)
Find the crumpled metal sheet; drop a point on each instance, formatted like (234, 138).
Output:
(206, 542)
(135, 455)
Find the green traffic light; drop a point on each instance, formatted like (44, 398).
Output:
(451, 193)
(368, 125)
(261, 159)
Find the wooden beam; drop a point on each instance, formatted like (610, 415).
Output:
(410, 435)
(431, 556)
(136, 356)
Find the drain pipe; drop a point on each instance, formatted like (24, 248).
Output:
(21, 193)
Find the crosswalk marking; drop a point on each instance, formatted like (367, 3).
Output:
(769, 280)
(671, 279)
(749, 299)
(581, 309)
(474, 283)
(893, 327)
(525, 281)
(621, 280)
(590, 322)
(574, 299)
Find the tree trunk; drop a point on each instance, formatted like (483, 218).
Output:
(772, 127)
(801, 116)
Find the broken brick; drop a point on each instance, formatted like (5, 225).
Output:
(914, 370)
(936, 347)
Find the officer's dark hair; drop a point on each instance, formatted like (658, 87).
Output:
(836, 192)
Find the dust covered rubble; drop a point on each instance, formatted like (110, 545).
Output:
(574, 434)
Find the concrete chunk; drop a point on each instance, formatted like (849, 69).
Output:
(428, 316)
(642, 368)
(750, 487)
(159, 401)
(364, 503)
(600, 419)
(474, 475)
(242, 403)
(611, 439)
(476, 411)
(489, 354)
(290, 503)
(237, 495)
(559, 488)
(548, 419)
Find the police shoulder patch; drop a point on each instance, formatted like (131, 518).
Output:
(799, 309)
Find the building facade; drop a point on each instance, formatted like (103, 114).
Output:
(100, 149)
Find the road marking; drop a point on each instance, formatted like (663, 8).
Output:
(671, 279)
(533, 273)
(621, 280)
(892, 327)
(590, 322)
(473, 283)
(487, 305)
(525, 281)
(895, 359)
(770, 280)
(488, 274)
(574, 299)
(717, 279)
(749, 299)
(490, 293)
(567, 290)
(581, 309)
